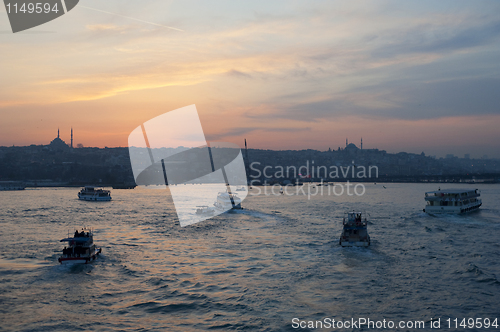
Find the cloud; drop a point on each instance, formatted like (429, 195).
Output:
(240, 131)
(269, 68)
(238, 74)
(396, 100)
(307, 51)
(432, 39)
(104, 27)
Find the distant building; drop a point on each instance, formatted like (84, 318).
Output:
(467, 156)
(58, 144)
(449, 155)
(351, 147)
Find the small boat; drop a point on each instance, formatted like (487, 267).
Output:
(226, 201)
(205, 210)
(355, 232)
(81, 248)
(90, 193)
(241, 189)
(12, 185)
(454, 201)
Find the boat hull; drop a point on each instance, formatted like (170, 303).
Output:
(452, 209)
(80, 260)
(452, 201)
(206, 212)
(92, 198)
(226, 207)
(355, 231)
(354, 243)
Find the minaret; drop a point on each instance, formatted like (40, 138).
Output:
(72, 138)
(361, 143)
(57, 132)
(346, 142)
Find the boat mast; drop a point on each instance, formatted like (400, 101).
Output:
(247, 160)
(223, 174)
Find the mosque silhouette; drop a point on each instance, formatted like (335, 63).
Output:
(58, 144)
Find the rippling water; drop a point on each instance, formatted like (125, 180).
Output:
(252, 270)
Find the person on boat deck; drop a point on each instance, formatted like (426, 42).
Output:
(76, 234)
(82, 234)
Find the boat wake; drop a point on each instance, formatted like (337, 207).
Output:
(261, 215)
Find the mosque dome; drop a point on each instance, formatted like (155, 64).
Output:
(351, 147)
(58, 144)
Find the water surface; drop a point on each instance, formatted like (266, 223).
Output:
(251, 270)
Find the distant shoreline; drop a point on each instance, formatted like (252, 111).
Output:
(384, 181)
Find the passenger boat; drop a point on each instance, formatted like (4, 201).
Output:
(12, 185)
(90, 193)
(226, 201)
(205, 210)
(454, 201)
(241, 189)
(81, 248)
(355, 232)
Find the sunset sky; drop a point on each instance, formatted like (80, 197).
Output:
(406, 76)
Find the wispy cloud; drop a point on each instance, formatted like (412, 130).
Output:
(265, 69)
(104, 27)
(130, 18)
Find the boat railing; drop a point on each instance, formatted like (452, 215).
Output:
(355, 222)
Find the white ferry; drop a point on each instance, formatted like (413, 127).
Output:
(355, 232)
(90, 193)
(226, 201)
(453, 201)
(81, 248)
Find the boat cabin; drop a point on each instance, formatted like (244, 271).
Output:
(452, 200)
(355, 231)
